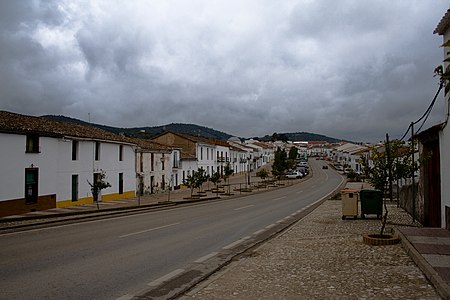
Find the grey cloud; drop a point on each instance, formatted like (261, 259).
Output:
(349, 69)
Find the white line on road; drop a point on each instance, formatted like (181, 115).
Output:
(276, 199)
(299, 192)
(205, 258)
(270, 226)
(229, 246)
(244, 207)
(147, 230)
(166, 277)
(258, 232)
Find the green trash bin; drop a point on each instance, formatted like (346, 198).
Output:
(371, 203)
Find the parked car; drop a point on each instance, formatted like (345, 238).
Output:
(303, 170)
(324, 167)
(302, 164)
(294, 174)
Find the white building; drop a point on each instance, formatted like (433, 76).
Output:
(49, 164)
(195, 152)
(157, 167)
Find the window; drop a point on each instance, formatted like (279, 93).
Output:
(74, 150)
(163, 182)
(31, 185)
(97, 150)
(152, 158)
(176, 162)
(120, 183)
(120, 152)
(74, 187)
(201, 153)
(32, 143)
(162, 162)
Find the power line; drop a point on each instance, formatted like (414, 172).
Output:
(427, 112)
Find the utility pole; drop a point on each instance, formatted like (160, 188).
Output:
(413, 185)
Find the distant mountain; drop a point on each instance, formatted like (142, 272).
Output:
(149, 132)
(299, 137)
(195, 130)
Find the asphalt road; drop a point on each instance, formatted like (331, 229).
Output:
(118, 257)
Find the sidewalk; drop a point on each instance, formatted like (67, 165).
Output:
(323, 257)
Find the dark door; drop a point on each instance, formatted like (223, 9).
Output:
(31, 185)
(432, 184)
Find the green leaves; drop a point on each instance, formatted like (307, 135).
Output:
(446, 44)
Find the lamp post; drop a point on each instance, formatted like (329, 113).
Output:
(169, 181)
(248, 173)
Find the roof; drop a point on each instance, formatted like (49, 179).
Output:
(24, 124)
(430, 133)
(443, 25)
(151, 145)
(195, 139)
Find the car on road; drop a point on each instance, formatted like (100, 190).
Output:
(294, 174)
(324, 167)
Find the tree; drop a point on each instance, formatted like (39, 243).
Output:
(279, 165)
(98, 185)
(215, 178)
(227, 172)
(200, 177)
(190, 182)
(293, 153)
(389, 163)
(444, 74)
(263, 174)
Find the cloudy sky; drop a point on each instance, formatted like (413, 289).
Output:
(353, 69)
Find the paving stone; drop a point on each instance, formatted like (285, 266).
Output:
(323, 257)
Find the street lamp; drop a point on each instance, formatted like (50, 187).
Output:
(169, 181)
(248, 168)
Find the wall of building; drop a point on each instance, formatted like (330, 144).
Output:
(444, 139)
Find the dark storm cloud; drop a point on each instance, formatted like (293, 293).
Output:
(348, 69)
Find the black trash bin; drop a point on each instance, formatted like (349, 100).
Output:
(371, 203)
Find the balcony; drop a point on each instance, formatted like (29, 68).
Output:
(223, 159)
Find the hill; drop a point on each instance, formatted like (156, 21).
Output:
(196, 130)
(299, 137)
(149, 132)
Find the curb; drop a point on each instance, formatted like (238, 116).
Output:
(441, 286)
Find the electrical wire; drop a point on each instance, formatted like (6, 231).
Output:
(427, 112)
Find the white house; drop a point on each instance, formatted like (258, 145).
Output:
(157, 167)
(223, 156)
(436, 140)
(47, 164)
(195, 152)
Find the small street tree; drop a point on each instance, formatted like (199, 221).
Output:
(263, 174)
(389, 163)
(227, 172)
(215, 178)
(99, 183)
(190, 182)
(200, 178)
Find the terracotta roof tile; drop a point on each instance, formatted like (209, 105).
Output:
(23, 124)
